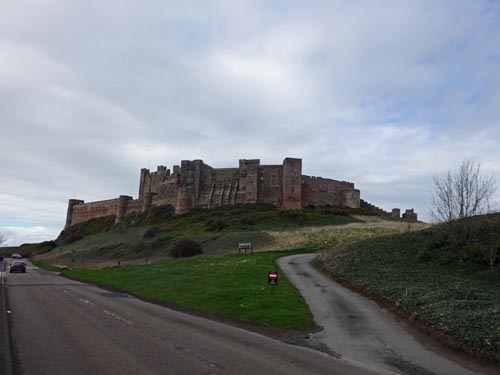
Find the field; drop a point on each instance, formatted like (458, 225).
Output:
(461, 301)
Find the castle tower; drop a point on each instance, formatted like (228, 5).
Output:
(185, 197)
(143, 182)
(122, 208)
(69, 213)
(410, 215)
(292, 183)
(351, 198)
(147, 201)
(249, 180)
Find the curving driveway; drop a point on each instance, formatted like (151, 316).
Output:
(356, 328)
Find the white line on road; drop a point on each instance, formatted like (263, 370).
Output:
(117, 317)
(86, 301)
(69, 293)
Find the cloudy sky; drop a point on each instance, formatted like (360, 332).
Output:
(386, 94)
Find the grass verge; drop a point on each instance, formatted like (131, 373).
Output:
(230, 286)
(460, 301)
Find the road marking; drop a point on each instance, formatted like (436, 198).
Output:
(69, 293)
(86, 301)
(117, 317)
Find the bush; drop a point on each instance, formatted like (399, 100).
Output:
(215, 225)
(247, 221)
(150, 233)
(295, 216)
(185, 248)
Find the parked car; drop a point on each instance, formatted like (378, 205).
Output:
(18, 266)
(16, 256)
(1, 258)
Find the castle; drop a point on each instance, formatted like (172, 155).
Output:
(195, 184)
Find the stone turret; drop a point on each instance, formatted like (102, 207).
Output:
(249, 180)
(121, 210)
(185, 197)
(143, 182)
(410, 215)
(350, 198)
(69, 213)
(292, 184)
(147, 201)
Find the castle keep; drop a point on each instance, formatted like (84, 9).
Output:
(195, 184)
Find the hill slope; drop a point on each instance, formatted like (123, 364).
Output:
(462, 301)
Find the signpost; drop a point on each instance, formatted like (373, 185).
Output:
(272, 278)
(245, 246)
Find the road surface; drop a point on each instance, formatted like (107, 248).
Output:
(66, 327)
(356, 328)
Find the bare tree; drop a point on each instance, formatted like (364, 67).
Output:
(459, 196)
(491, 248)
(2, 239)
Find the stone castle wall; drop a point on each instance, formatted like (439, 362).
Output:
(195, 184)
(320, 191)
(86, 211)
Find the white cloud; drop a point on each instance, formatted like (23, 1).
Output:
(18, 235)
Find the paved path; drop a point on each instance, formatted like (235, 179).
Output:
(60, 326)
(356, 328)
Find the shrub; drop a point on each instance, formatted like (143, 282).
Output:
(247, 221)
(295, 216)
(215, 225)
(185, 248)
(150, 233)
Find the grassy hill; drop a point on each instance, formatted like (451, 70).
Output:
(218, 231)
(418, 274)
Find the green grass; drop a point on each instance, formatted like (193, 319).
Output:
(47, 267)
(218, 230)
(231, 286)
(461, 300)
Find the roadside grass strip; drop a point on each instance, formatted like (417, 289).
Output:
(232, 286)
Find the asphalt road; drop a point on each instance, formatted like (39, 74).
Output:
(5, 357)
(65, 327)
(357, 328)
